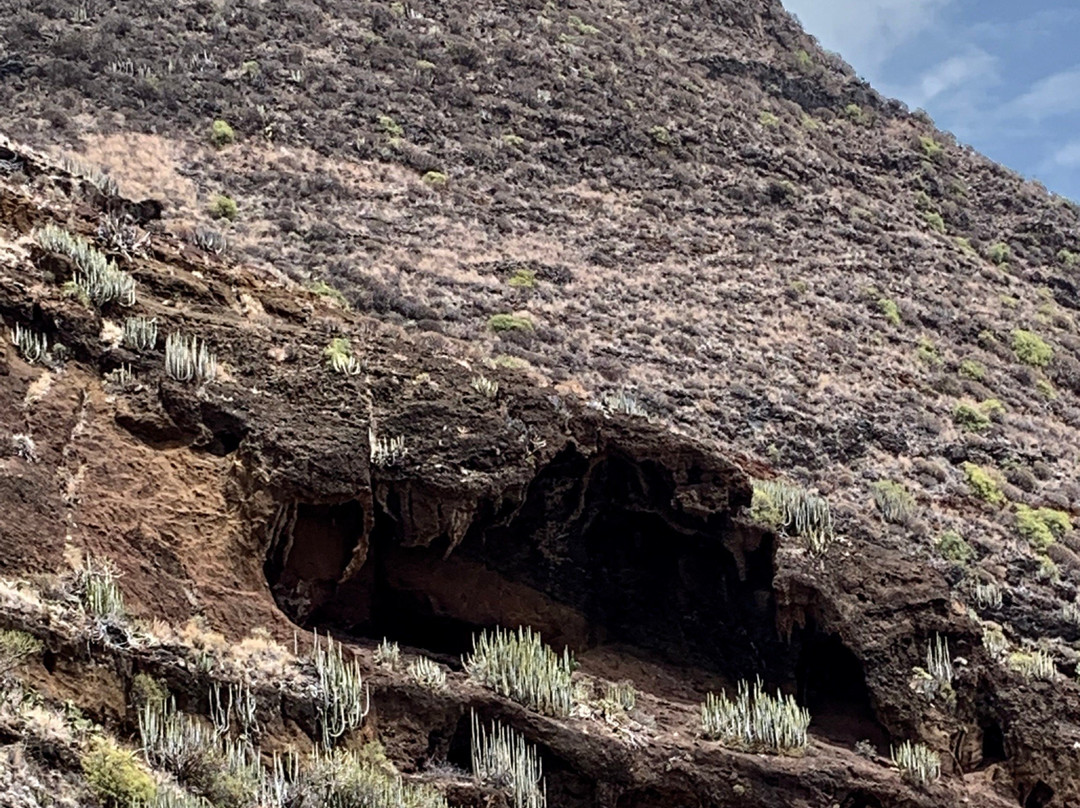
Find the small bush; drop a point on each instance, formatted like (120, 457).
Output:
(931, 148)
(768, 119)
(894, 501)
(436, 179)
(509, 322)
(391, 127)
(1041, 527)
(854, 112)
(1046, 390)
(1030, 348)
(755, 720)
(519, 665)
(523, 279)
(323, 289)
(145, 689)
(221, 134)
(116, 777)
(15, 648)
(928, 353)
(999, 253)
(890, 310)
(953, 548)
(935, 220)
(970, 419)
(982, 485)
(223, 207)
(970, 369)
(1068, 258)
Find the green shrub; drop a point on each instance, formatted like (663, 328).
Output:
(15, 648)
(755, 721)
(934, 219)
(223, 207)
(323, 289)
(661, 136)
(965, 245)
(894, 501)
(999, 253)
(970, 369)
(519, 665)
(766, 118)
(982, 485)
(116, 776)
(1041, 526)
(523, 279)
(1046, 390)
(953, 548)
(993, 409)
(221, 134)
(854, 112)
(970, 419)
(436, 179)
(890, 310)
(509, 322)
(1068, 258)
(390, 126)
(927, 353)
(145, 689)
(1030, 348)
(931, 148)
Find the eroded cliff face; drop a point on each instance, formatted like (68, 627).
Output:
(253, 500)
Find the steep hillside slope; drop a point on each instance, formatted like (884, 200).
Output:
(692, 250)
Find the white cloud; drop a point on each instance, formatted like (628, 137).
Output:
(1056, 94)
(955, 73)
(1068, 156)
(866, 32)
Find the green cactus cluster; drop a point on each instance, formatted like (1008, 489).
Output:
(794, 510)
(95, 275)
(519, 665)
(188, 359)
(343, 701)
(502, 757)
(754, 720)
(917, 763)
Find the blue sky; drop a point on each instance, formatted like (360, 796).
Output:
(1002, 76)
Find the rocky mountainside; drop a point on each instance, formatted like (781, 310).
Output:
(647, 326)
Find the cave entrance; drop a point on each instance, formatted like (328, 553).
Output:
(600, 551)
(832, 686)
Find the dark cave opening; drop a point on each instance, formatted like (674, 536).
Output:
(1039, 796)
(993, 742)
(832, 685)
(598, 553)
